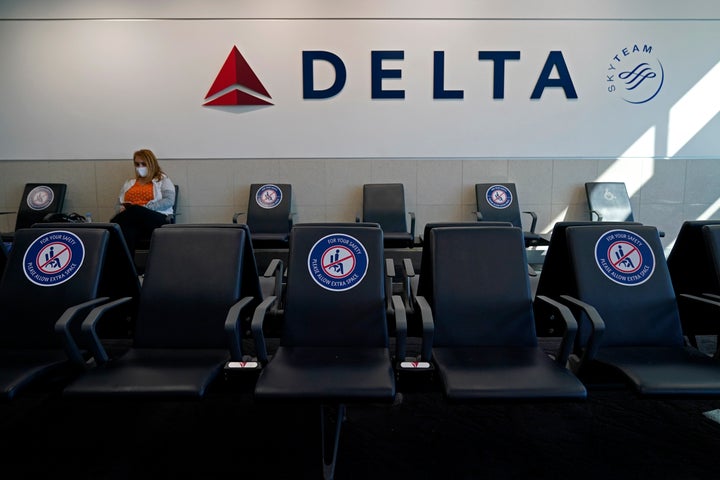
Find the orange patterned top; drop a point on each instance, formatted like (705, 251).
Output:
(139, 194)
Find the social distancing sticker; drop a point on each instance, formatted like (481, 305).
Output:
(53, 258)
(624, 257)
(499, 196)
(40, 197)
(268, 196)
(338, 262)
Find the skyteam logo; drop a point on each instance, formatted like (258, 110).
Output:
(237, 84)
(53, 258)
(499, 196)
(624, 257)
(40, 197)
(635, 75)
(338, 262)
(268, 196)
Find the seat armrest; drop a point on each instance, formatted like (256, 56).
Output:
(710, 300)
(597, 214)
(89, 329)
(428, 328)
(533, 224)
(64, 325)
(571, 327)
(409, 293)
(232, 328)
(412, 225)
(597, 329)
(389, 275)
(400, 328)
(276, 269)
(256, 326)
(478, 215)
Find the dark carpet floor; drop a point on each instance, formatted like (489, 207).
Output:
(611, 435)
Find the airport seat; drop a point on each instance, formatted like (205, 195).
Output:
(255, 284)
(419, 282)
(334, 349)
(610, 202)
(498, 202)
(37, 201)
(187, 327)
(50, 283)
(692, 271)
(118, 279)
(625, 293)
(270, 214)
(384, 204)
(484, 345)
(556, 278)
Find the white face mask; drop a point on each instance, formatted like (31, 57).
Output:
(142, 171)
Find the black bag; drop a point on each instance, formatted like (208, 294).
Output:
(64, 218)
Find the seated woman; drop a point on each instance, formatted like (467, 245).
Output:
(146, 201)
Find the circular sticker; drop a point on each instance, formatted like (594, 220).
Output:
(40, 197)
(624, 257)
(53, 258)
(268, 196)
(337, 262)
(498, 196)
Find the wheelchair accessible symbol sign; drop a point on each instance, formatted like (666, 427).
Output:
(498, 196)
(338, 262)
(624, 257)
(268, 196)
(53, 258)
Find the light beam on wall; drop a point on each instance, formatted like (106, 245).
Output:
(693, 111)
(635, 166)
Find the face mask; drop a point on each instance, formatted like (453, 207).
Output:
(142, 171)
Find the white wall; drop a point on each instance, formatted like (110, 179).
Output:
(85, 83)
(95, 87)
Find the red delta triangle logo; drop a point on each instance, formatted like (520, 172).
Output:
(246, 86)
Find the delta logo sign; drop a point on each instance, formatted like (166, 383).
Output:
(236, 84)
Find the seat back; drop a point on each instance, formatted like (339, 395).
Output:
(335, 292)
(38, 200)
(425, 279)
(384, 203)
(48, 271)
(622, 272)
(608, 202)
(250, 274)
(119, 277)
(498, 202)
(556, 278)
(270, 208)
(193, 276)
(481, 287)
(690, 262)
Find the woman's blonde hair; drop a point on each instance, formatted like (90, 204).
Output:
(154, 170)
